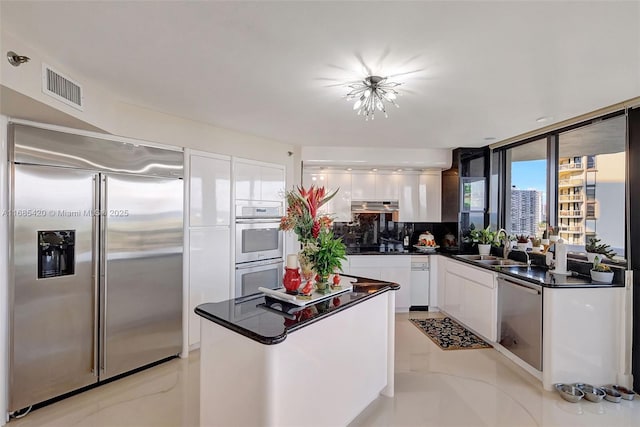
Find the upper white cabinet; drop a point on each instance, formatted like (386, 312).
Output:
(419, 193)
(387, 186)
(363, 186)
(340, 206)
(409, 198)
(431, 196)
(258, 182)
(209, 190)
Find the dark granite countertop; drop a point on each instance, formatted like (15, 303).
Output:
(268, 320)
(541, 275)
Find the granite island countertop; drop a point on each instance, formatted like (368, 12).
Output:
(269, 320)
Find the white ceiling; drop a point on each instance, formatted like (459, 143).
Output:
(470, 70)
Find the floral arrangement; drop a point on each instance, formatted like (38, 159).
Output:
(321, 251)
(599, 266)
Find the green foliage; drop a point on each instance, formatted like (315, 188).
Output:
(329, 254)
(594, 246)
(598, 266)
(483, 236)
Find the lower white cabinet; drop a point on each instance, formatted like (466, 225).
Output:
(471, 295)
(390, 268)
(209, 271)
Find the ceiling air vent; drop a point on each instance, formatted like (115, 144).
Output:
(61, 88)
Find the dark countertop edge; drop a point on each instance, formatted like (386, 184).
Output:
(386, 286)
(244, 332)
(498, 269)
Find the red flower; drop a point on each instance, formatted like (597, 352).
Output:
(315, 230)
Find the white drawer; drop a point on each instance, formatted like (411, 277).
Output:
(476, 274)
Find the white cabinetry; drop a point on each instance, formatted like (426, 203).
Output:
(409, 198)
(390, 268)
(470, 295)
(209, 190)
(255, 181)
(363, 186)
(340, 206)
(209, 233)
(387, 186)
(431, 196)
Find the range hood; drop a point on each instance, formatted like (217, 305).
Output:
(376, 206)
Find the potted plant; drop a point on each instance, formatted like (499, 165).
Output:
(484, 237)
(594, 247)
(601, 272)
(522, 241)
(327, 258)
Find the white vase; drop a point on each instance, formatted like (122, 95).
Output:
(484, 249)
(522, 246)
(602, 276)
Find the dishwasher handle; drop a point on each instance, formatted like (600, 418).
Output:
(533, 289)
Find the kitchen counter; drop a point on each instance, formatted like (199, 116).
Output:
(542, 276)
(260, 358)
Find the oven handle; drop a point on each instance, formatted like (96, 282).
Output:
(274, 220)
(255, 264)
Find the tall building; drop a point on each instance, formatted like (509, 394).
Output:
(526, 211)
(588, 188)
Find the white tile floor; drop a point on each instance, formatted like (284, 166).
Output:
(433, 388)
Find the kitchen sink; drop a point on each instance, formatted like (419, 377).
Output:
(478, 257)
(500, 261)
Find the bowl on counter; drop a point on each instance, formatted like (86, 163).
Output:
(569, 392)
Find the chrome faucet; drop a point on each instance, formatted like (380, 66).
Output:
(505, 242)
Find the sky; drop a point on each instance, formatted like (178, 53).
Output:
(528, 175)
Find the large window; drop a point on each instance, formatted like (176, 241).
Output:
(601, 148)
(526, 186)
(584, 170)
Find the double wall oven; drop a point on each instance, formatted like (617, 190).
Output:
(259, 246)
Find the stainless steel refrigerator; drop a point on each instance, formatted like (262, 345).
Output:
(96, 256)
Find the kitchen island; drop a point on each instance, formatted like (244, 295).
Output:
(269, 363)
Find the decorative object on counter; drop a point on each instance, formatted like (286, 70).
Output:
(321, 252)
(594, 247)
(551, 233)
(449, 334)
(522, 241)
(371, 94)
(484, 238)
(449, 240)
(426, 243)
(561, 258)
(291, 280)
(302, 300)
(601, 272)
(612, 395)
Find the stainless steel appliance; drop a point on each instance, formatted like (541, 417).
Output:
(520, 319)
(251, 275)
(259, 246)
(258, 234)
(96, 252)
(374, 206)
(419, 283)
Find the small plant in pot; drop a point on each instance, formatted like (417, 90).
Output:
(601, 272)
(484, 237)
(522, 241)
(594, 247)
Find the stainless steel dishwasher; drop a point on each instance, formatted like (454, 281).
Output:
(520, 319)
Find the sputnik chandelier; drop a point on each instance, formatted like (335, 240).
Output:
(371, 94)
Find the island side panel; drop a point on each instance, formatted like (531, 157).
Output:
(332, 370)
(323, 374)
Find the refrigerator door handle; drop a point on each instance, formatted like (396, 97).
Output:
(103, 272)
(95, 270)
